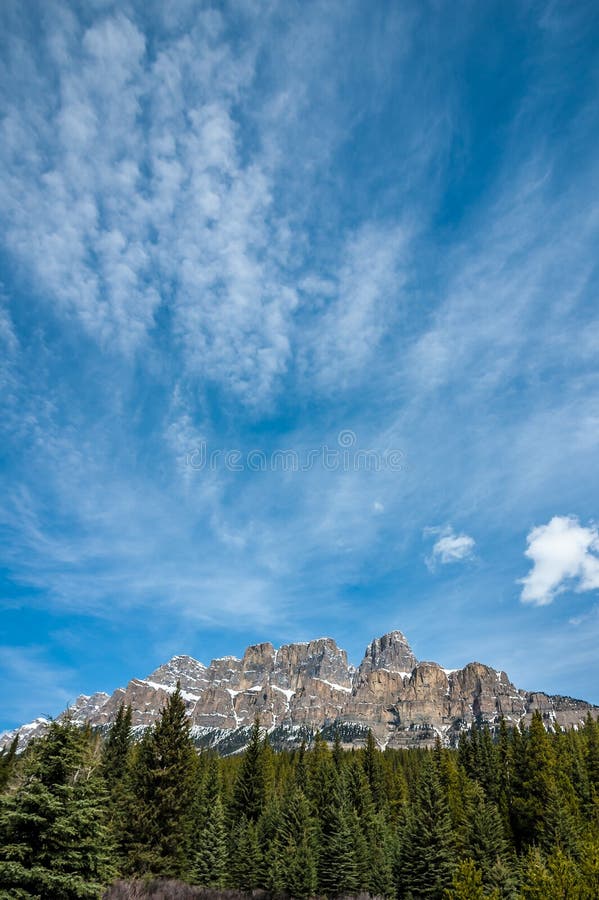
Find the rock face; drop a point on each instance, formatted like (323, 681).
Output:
(305, 687)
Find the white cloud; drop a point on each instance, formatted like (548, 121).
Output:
(128, 190)
(564, 555)
(449, 546)
(361, 304)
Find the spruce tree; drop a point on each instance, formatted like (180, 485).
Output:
(554, 877)
(371, 761)
(246, 863)
(115, 753)
(467, 883)
(486, 839)
(209, 838)
(296, 842)
(210, 851)
(534, 783)
(340, 862)
(159, 819)
(426, 854)
(250, 792)
(54, 840)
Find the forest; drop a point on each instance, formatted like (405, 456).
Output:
(513, 814)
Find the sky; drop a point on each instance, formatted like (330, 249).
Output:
(299, 333)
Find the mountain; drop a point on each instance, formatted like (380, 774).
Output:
(304, 687)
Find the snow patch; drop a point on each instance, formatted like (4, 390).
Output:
(336, 687)
(170, 689)
(287, 691)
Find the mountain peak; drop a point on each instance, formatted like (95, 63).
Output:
(309, 686)
(390, 651)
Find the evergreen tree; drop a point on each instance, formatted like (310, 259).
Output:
(426, 854)
(371, 761)
(54, 841)
(296, 836)
(338, 869)
(467, 883)
(534, 784)
(209, 850)
(340, 859)
(486, 840)
(249, 795)
(115, 753)
(337, 751)
(555, 877)
(245, 860)
(379, 881)
(159, 821)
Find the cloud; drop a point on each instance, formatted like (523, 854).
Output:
(362, 303)
(449, 546)
(129, 192)
(564, 555)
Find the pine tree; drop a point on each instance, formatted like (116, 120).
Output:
(486, 839)
(209, 838)
(338, 867)
(246, 864)
(555, 877)
(379, 881)
(337, 751)
(339, 861)
(250, 792)
(534, 783)
(426, 854)
(591, 732)
(210, 851)
(115, 753)
(159, 821)
(297, 845)
(54, 841)
(467, 884)
(301, 878)
(371, 761)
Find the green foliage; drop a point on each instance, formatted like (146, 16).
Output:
(428, 842)
(159, 824)
(115, 753)
(209, 841)
(54, 839)
(510, 816)
(467, 883)
(249, 796)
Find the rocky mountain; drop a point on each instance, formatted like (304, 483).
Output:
(306, 687)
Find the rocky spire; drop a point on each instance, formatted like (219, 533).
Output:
(391, 652)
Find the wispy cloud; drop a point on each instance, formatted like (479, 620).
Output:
(257, 226)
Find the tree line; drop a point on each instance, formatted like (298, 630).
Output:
(511, 816)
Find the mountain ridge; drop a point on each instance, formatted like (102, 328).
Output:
(308, 686)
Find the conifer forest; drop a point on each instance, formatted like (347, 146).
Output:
(509, 815)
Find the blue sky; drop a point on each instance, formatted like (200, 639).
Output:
(300, 333)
